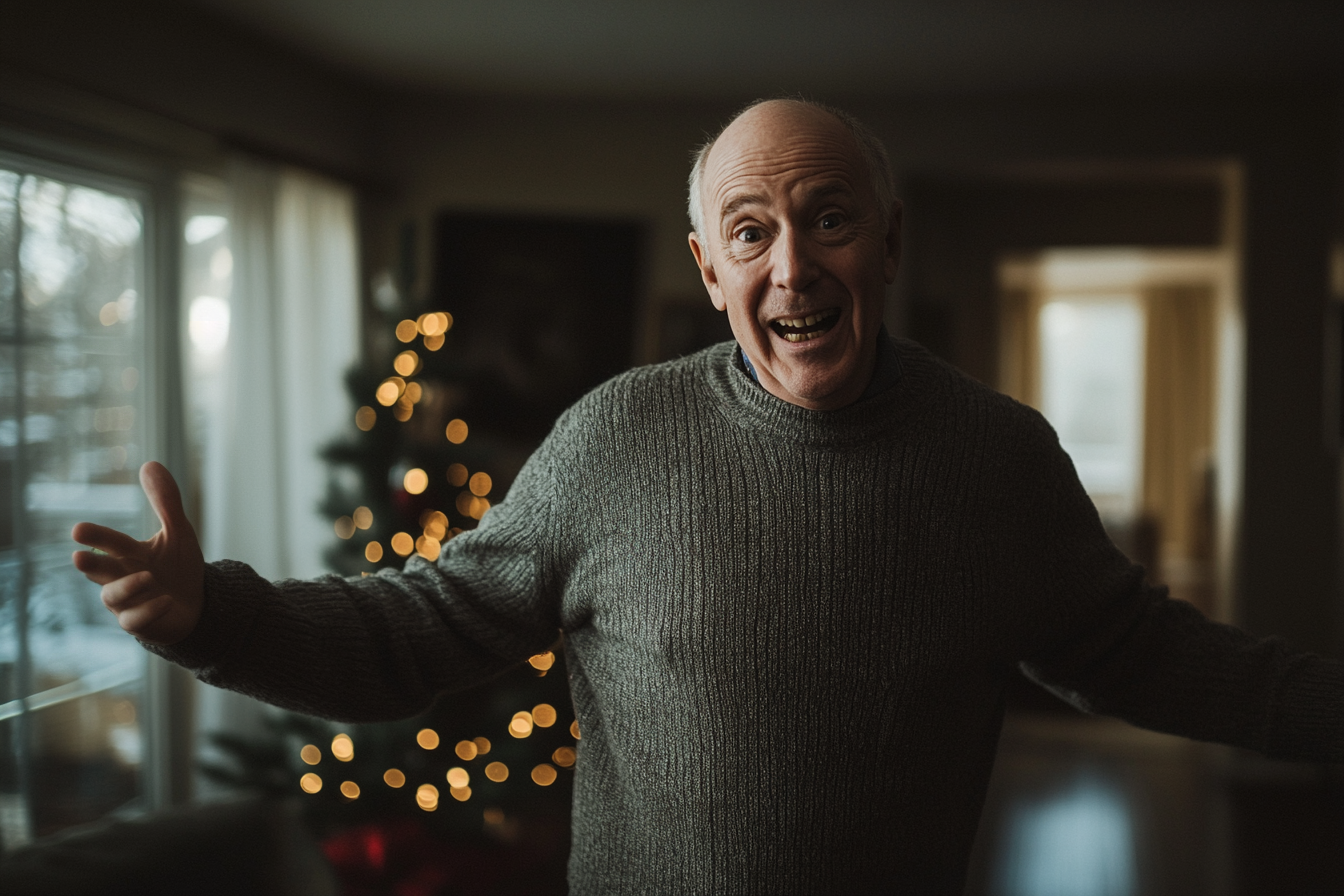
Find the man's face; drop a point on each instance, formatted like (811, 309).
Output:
(797, 252)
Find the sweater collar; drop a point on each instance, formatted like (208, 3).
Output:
(876, 415)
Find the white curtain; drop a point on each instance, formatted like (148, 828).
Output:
(293, 333)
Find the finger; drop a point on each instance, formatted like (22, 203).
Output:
(101, 568)
(164, 496)
(128, 591)
(110, 541)
(139, 619)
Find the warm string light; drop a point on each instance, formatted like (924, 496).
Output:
(342, 747)
(310, 754)
(427, 738)
(310, 783)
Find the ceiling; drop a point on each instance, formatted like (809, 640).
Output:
(699, 49)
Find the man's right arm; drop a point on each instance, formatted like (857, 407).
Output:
(377, 647)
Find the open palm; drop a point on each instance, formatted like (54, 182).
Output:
(155, 587)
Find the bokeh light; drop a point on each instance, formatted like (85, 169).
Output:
(456, 431)
(543, 714)
(461, 794)
(480, 484)
(434, 343)
(544, 774)
(542, 661)
(350, 790)
(345, 527)
(363, 517)
(427, 797)
(394, 778)
(574, 729)
(406, 330)
(427, 738)
(365, 417)
(403, 544)
(465, 750)
(406, 363)
(310, 783)
(310, 754)
(458, 777)
(414, 391)
(497, 772)
(457, 475)
(428, 548)
(564, 757)
(482, 745)
(342, 747)
(373, 552)
(388, 393)
(415, 481)
(521, 724)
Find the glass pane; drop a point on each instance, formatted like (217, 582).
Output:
(79, 258)
(1092, 393)
(72, 431)
(9, 195)
(87, 758)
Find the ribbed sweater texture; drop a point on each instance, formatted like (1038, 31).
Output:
(788, 632)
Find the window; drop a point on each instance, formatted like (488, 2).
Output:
(1128, 353)
(75, 423)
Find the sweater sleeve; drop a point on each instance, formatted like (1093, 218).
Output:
(1106, 641)
(384, 646)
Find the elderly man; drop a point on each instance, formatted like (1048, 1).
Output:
(793, 576)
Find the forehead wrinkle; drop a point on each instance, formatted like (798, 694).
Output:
(797, 163)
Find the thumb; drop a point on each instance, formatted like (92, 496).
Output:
(164, 496)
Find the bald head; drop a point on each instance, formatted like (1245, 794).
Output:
(804, 112)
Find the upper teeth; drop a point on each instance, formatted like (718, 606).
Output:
(803, 321)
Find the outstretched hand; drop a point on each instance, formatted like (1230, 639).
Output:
(155, 587)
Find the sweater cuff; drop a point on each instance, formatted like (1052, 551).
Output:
(1309, 721)
(232, 601)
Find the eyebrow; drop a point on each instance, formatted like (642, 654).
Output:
(741, 201)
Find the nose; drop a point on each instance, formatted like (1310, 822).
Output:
(793, 266)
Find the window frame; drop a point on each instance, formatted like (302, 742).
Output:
(166, 767)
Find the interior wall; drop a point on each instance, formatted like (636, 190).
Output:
(181, 64)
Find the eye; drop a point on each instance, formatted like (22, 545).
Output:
(831, 221)
(749, 234)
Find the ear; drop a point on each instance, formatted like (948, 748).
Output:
(892, 248)
(701, 253)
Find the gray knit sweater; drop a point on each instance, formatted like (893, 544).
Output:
(787, 631)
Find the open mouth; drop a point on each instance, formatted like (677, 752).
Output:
(801, 329)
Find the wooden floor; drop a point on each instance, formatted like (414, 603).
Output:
(1082, 806)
